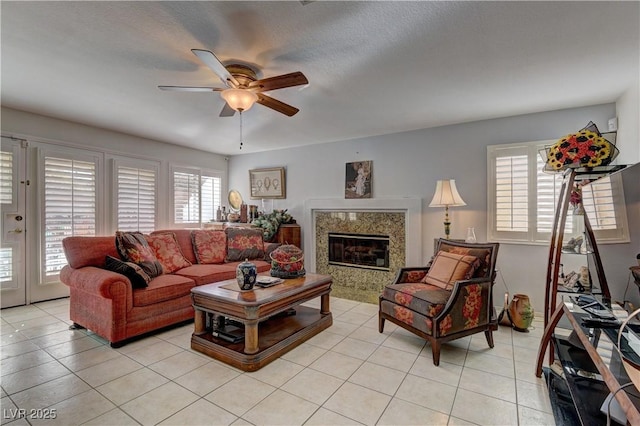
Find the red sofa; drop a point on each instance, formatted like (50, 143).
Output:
(106, 302)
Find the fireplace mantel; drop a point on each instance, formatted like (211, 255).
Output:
(411, 207)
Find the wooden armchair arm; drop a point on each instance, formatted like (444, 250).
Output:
(468, 307)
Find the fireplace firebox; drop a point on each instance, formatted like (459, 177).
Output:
(359, 250)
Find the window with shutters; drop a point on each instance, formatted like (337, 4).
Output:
(69, 206)
(136, 205)
(522, 198)
(196, 195)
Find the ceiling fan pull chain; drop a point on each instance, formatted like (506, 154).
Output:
(241, 130)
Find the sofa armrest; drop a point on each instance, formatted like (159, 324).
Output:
(411, 274)
(97, 281)
(468, 307)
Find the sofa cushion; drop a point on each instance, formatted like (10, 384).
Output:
(162, 288)
(209, 245)
(408, 316)
(207, 274)
(137, 276)
(133, 247)
(483, 255)
(167, 251)
(447, 268)
(183, 236)
(244, 243)
(428, 299)
(88, 251)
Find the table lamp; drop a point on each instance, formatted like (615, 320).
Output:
(446, 195)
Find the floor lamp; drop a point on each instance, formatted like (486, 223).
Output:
(446, 195)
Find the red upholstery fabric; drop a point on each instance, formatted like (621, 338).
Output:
(207, 274)
(162, 288)
(407, 316)
(105, 302)
(419, 297)
(89, 251)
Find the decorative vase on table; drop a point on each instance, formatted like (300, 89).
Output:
(246, 274)
(521, 312)
(471, 236)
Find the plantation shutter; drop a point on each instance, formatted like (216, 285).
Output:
(211, 197)
(69, 206)
(186, 195)
(197, 194)
(547, 194)
(136, 199)
(6, 199)
(6, 178)
(512, 193)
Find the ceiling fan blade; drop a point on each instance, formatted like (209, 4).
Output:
(216, 66)
(190, 89)
(227, 111)
(276, 105)
(279, 82)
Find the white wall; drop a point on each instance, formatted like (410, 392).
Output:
(409, 164)
(44, 129)
(628, 111)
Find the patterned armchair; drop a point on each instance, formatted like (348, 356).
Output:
(449, 298)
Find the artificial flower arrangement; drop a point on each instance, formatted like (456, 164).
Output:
(270, 222)
(585, 148)
(575, 200)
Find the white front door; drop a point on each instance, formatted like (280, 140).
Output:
(13, 186)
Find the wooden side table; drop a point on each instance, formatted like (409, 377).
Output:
(289, 234)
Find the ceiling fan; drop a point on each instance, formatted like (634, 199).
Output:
(243, 89)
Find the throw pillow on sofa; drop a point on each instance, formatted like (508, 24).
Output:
(244, 243)
(168, 252)
(447, 268)
(133, 247)
(138, 278)
(209, 245)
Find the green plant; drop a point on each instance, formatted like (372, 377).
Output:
(270, 222)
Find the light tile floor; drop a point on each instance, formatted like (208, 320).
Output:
(349, 374)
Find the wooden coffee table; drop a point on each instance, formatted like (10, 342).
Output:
(274, 323)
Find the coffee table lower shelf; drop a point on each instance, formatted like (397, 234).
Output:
(276, 336)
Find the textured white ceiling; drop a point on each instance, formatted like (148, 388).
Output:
(374, 67)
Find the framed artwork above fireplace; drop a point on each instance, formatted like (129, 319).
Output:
(358, 179)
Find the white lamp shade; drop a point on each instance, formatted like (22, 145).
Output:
(446, 195)
(239, 99)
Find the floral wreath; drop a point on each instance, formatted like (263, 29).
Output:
(585, 148)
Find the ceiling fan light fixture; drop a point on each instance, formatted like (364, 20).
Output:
(239, 99)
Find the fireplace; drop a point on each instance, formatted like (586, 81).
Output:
(398, 219)
(368, 251)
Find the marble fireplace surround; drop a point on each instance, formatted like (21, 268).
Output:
(411, 208)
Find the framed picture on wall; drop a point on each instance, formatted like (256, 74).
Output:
(268, 183)
(358, 179)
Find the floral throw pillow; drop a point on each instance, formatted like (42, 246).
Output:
(209, 245)
(244, 243)
(447, 268)
(168, 252)
(133, 247)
